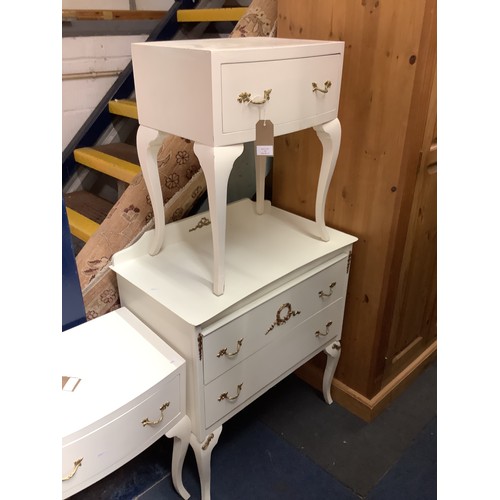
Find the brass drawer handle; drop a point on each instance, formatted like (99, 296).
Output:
(163, 407)
(328, 84)
(246, 97)
(230, 398)
(223, 352)
(325, 294)
(280, 319)
(319, 334)
(76, 465)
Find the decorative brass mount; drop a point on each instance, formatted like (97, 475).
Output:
(223, 351)
(246, 97)
(281, 320)
(324, 90)
(224, 395)
(163, 407)
(76, 465)
(327, 294)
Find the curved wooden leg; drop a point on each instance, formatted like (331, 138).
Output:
(217, 163)
(149, 142)
(181, 432)
(260, 179)
(203, 454)
(332, 359)
(329, 134)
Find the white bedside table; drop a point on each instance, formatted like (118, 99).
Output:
(213, 91)
(284, 304)
(123, 388)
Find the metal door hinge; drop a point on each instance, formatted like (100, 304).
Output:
(349, 262)
(200, 346)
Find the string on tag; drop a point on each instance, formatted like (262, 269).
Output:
(262, 114)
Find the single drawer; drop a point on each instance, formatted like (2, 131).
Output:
(264, 368)
(122, 438)
(272, 320)
(190, 88)
(292, 98)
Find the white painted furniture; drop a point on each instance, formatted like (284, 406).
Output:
(213, 92)
(284, 303)
(123, 388)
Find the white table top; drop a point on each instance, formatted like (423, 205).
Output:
(214, 44)
(260, 249)
(115, 363)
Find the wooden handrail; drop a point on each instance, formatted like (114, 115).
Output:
(111, 15)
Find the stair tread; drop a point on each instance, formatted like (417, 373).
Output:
(119, 160)
(120, 150)
(211, 15)
(123, 107)
(89, 205)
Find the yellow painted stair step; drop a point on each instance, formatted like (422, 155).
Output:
(123, 107)
(86, 211)
(118, 160)
(80, 226)
(210, 15)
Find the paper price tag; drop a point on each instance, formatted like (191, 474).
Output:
(70, 383)
(264, 138)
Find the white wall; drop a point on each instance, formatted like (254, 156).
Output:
(89, 54)
(94, 54)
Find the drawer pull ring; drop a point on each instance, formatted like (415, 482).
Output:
(281, 320)
(246, 97)
(163, 407)
(325, 294)
(76, 465)
(319, 334)
(223, 352)
(328, 84)
(230, 398)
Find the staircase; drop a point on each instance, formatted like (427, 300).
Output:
(116, 162)
(102, 159)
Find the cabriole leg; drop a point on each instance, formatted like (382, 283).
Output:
(203, 454)
(329, 134)
(332, 359)
(149, 142)
(217, 163)
(181, 433)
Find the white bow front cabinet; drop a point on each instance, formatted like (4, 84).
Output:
(213, 92)
(123, 389)
(284, 303)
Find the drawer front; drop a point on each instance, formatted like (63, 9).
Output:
(235, 341)
(292, 98)
(107, 448)
(230, 391)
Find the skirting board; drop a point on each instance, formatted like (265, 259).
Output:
(360, 405)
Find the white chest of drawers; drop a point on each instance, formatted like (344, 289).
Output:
(213, 92)
(126, 389)
(284, 303)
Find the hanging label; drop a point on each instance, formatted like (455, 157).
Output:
(264, 138)
(70, 383)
